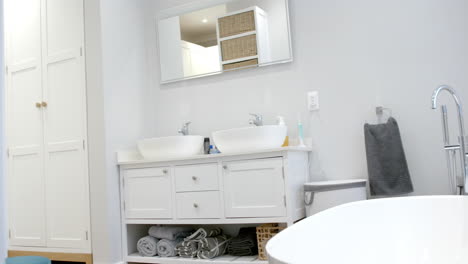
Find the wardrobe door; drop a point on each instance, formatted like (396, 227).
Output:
(66, 173)
(24, 123)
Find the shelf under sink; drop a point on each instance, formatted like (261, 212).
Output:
(135, 257)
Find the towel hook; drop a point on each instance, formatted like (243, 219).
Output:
(379, 110)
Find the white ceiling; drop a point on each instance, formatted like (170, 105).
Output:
(192, 27)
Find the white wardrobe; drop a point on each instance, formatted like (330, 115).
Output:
(48, 190)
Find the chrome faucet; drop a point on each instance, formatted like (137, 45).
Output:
(257, 120)
(450, 149)
(185, 128)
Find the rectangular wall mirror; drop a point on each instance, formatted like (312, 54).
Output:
(223, 36)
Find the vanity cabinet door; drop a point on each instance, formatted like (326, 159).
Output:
(254, 188)
(148, 193)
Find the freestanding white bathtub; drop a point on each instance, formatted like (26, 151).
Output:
(412, 230)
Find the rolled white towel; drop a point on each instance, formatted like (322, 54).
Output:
(147, 246)
(167, 248)
(169, 232)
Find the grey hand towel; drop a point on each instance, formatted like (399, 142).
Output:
(386, 161)
(169, 232)
(147, 246)
(245, 244)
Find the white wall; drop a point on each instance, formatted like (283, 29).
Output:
(357, 54)
(426, 47)
(117, 83)
(3, 216)
(100, 230)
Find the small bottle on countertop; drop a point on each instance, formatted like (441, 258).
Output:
(206, 145)
(280, 122)
(214, 150)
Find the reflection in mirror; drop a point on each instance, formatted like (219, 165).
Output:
(235, 35)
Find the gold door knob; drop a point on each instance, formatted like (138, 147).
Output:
(44, 104)
(38, 105)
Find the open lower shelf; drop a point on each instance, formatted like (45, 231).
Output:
(135, 257)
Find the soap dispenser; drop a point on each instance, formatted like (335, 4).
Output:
(280, 122)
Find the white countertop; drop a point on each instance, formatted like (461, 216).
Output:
(132, 156)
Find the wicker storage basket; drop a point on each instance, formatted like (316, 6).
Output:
(241, 64)
(236, 24)
(264, 233)
(239, 47)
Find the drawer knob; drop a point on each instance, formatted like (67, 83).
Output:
(225, 167)
(195, 205)
(165, 171)
(194, 178)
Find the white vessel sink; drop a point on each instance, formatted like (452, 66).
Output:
(250, 138)
(170, 147)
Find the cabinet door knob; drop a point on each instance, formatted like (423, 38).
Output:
(225, 167)
(165, 171)
(194, 178)
(195, 205)
(44, 104)
(38, 105)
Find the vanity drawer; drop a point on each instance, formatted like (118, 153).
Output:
(192, 178)
(192, 205)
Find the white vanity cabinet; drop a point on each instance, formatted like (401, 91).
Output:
(221, 189)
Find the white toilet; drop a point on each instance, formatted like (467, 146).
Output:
(321, 195)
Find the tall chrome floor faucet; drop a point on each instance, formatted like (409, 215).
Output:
(451, 149)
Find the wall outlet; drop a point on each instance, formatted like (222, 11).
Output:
(313, 101)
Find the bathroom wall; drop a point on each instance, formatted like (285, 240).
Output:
(357, 54)
(100, 230)
(116, 81)
(428, 48)
(3, 216)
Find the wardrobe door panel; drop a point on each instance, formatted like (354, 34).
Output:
(26, 197)
(66, 201)
(67, 197)
(24, 123)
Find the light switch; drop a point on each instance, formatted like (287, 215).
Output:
(313, 101)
